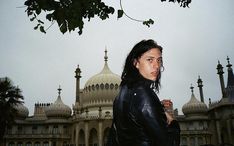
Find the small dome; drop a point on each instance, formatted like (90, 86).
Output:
(58, 108)
(22, 111)
(101, 89)
(194, 106)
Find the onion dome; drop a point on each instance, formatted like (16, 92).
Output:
(58, 108)
(101, 89)
(194, 107)
(22, 111)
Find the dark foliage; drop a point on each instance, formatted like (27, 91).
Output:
(183, 3)
(9, 97)
(70, 14)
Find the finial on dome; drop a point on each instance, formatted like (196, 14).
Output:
(106, 57)
(199, 81)
(219, 68)
(78, 72)
(59, 90)
(191, 88)
(229, 65)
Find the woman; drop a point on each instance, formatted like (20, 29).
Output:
(139, 118)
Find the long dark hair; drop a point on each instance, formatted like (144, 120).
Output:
(130, 74)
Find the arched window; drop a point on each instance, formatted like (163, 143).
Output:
(192, 141)
(20, 144)
(106, 133)
(81, 139)
(37, 144)
(28, 144)
(184, 141)
(93, 138)
(200, 141)
(46, 143)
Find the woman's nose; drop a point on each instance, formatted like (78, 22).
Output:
(156, 64)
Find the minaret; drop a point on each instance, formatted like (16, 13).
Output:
(199, 82)
(220, 73)
(230, 82)
(78, 76)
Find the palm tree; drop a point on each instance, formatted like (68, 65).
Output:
(10, 95)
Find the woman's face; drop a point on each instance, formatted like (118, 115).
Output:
(149, 64)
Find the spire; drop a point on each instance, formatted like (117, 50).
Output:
(59, 90)
(191, 88)
(59, 100)
(230, 81)
(105, 68)
(200, 85)
(220, 73)
(105, 57)
(78, 76)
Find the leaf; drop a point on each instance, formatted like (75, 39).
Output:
(36, 27)
(120, 13)
(31, 19)
(49, 17)
(39, 21)
(63, 27)
(38, 11)
(148, 22)
(42, 29)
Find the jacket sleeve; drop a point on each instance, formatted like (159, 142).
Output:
(152, 116)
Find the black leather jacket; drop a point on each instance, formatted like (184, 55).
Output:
(139, 117)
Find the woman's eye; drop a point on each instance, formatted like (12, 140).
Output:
(150, 60)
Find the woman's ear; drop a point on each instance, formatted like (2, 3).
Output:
(135, 63)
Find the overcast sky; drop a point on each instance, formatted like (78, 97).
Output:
(194, 39)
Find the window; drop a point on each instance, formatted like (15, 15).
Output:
(46, 143)
(201, 127)
(184, 141)
(54, 143)
(20, 144)
(192, 141)
(65, 130)
(9, 130)
(200, 141)
(20, 130)
(37, 144)
(28, 144)
(34, 129)
(55, 129)
(11, 144)
(191, 126)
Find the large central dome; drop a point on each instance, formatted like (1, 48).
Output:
(101, 89)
